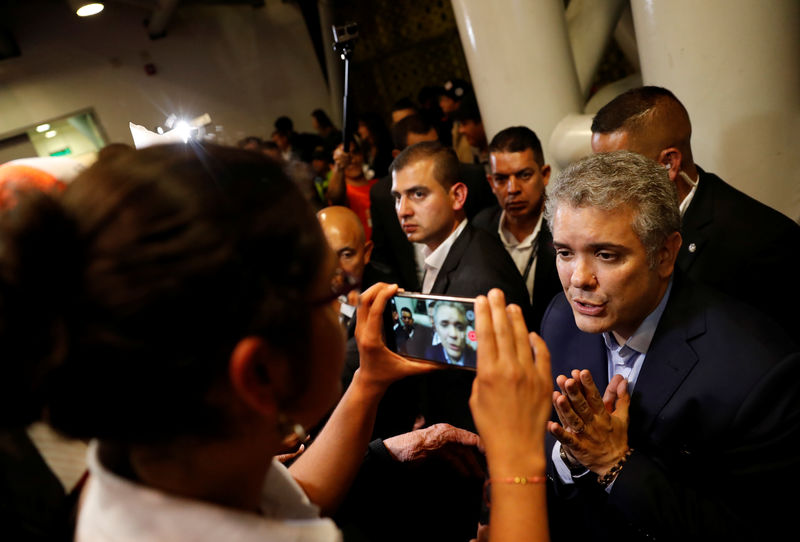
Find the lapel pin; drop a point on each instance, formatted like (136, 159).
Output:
(692, 247)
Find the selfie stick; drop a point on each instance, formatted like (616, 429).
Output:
(344, 38)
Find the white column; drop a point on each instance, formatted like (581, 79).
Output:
(735, 65)
(591, 24)
(520, 63)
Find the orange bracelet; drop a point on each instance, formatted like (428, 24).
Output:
(516, 480)
(520, 480)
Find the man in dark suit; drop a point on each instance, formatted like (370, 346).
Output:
(459, 260)
(393, 254)
(731, 242)
(518, 179)
(451, 325)
(697, 431)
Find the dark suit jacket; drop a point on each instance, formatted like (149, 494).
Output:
(740, 246)
(546, 283)
(714, 424)
(392, 253)
(436, 353)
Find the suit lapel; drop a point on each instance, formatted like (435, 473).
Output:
(669, 359)
(452, 260)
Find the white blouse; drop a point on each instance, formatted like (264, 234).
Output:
(119, 510)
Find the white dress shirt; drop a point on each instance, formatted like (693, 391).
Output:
(435, 259)
(523, 251)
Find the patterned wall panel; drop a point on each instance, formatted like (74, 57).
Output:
(403, 46)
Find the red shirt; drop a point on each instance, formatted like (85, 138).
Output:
(358, 201)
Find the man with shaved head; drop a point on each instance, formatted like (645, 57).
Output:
(730, 241)
(347, 239)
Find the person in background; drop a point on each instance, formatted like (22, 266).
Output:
(732, 242)
(470, 126)
(453, 92)
(346, 237)
(349, 185)
(397, 259)
(518, 179)
(331, 136)
(403, 108)
(376, 140)
(322, 166)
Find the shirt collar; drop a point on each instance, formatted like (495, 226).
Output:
(643, 336)
(435, 259)
(113, 504)
(690, 196)
(508, 239)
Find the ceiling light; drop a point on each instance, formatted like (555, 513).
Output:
(85, 9)
(42, 128)
(50, 134)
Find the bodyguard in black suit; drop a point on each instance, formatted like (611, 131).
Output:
(740, 246)
(393, 254)
(461, 261)
(731, 242)
(518, 179)
(696, 435)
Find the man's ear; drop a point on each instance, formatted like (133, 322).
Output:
(458, 193)
(256, 372)
(671, 159)
(546, 170)
(368, 246)
(667, 254)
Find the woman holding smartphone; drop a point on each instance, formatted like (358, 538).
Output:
(174, 306)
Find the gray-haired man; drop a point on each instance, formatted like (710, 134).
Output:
(697, 430)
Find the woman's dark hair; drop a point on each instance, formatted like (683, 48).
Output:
(122, 300)
(322, 118)
(377, 127)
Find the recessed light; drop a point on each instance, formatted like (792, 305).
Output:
(50, 134)
(88, 9)
(42, 128)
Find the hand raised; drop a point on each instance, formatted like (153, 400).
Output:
(593, 432)
(510, 395)
(379, 366)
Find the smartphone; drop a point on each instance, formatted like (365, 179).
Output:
(432, 328)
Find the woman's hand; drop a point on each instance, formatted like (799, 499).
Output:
(379, 366)
(511, 394)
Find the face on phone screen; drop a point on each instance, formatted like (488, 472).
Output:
(438, 329)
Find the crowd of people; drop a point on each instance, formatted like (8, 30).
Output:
(211, 323)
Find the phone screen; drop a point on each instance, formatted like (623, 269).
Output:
(438, 329)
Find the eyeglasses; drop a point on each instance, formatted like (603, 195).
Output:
(341, 285)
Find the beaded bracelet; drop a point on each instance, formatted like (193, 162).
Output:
(612, 473)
